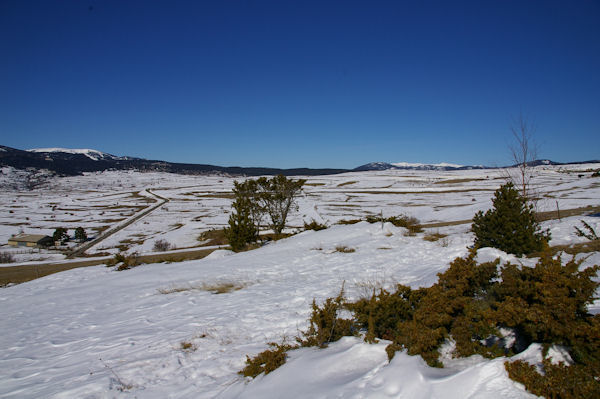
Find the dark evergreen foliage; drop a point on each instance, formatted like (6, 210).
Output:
(242, 229)
(510, 226)
(60, 235)
(275, 197)
(80, 234)
(469, 304)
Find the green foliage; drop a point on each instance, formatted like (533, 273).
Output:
(559, 381)
(278, 198)
(380, 314)
(314, 225)
(275, 197)
(456, 306)
(244, 220)
(60, 235)
(590, 234)
(596, 173)
(546, 303)
(469, 303)
(80, 234)
(266, 361)
(325, 325)
(510, 226)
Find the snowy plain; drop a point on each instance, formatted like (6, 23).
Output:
(161, 331)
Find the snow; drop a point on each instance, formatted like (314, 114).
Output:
(97, 333)
(417, 165)
(92, 154)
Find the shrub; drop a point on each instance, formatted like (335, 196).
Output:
(510, 226)
(124, 261)
(314, 225)
(411, 223)
(469, 304)
(590, 234)
(213, 237)
(277, 197)
(7, 257)
(547, 303)
(559, 381)
(325, 325)
(266, 361)
(380, 314)
(242, 229)
(80, 234)
(161, 246)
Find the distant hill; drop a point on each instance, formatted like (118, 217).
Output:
(70, 162)
(449, 166)
(413, 166)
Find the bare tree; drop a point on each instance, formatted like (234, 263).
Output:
(523, 152)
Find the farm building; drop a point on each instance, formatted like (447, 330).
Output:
(30, 240)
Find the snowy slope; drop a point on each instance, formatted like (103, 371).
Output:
(91, 332)
(92, 154)
(409, 165)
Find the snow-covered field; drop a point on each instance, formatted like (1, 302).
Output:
(98, 333)
(100, 201)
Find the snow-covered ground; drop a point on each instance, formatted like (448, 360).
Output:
(98, 333)
(100, 201)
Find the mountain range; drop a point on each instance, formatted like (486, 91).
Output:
(69, 162)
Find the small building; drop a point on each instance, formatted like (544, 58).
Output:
(30, 240)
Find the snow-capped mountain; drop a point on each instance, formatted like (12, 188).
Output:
(414, 166)
(64, 161)
(92, 154)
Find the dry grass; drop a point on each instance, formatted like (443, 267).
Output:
(456, 181)
(574, 249)
(349, 221)
(213, 237)
(215, 288)
(432, 237)
(347, 183)
(344, 249)
(228, 195)
(20, 274)
(563, 213)
(314, 184)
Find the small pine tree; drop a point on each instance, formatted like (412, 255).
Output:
(242, 230)
(510, 225)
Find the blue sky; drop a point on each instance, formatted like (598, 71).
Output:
(301, 83)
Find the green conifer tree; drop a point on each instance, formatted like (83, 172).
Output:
(80, 234)
(242, 228)
(510, 226)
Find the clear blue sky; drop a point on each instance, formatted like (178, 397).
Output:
(301, 83)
